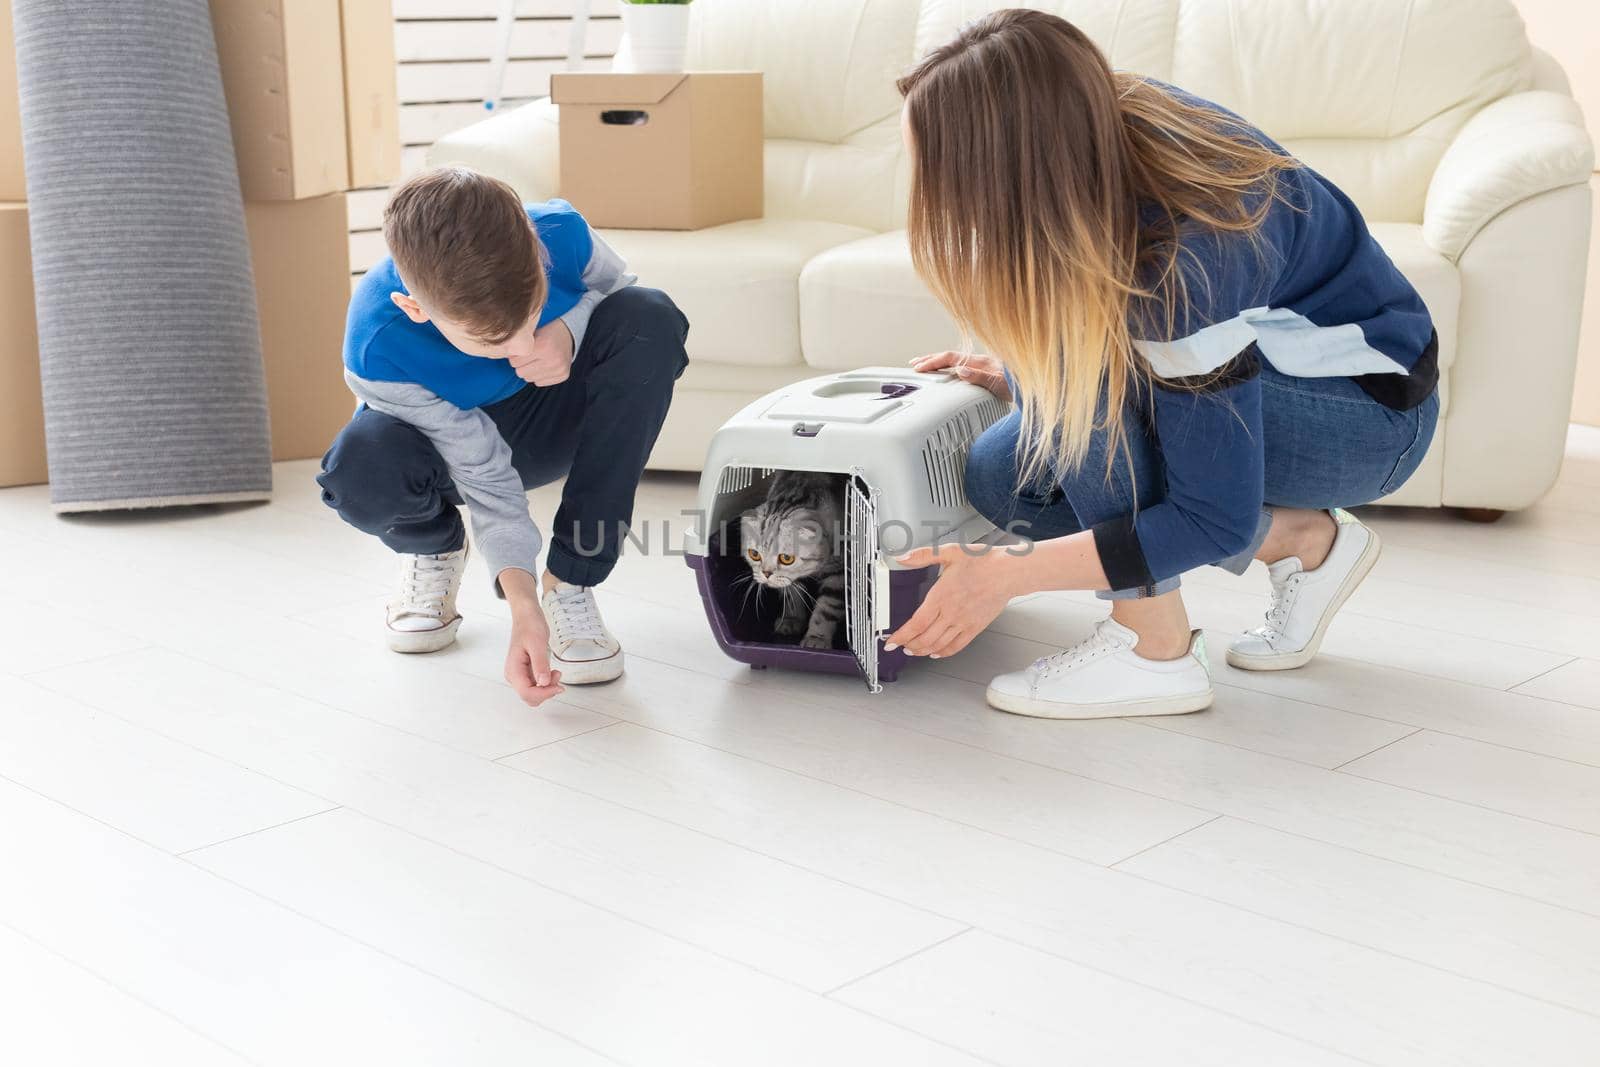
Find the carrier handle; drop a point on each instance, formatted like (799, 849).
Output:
(625, 117)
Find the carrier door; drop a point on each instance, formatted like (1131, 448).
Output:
(866, 575)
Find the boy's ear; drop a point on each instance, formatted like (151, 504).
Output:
(409, 305)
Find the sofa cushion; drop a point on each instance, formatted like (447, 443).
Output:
(862, 304)
(1435, 278)
(738, 284)
(1370, 92)
(830, 67)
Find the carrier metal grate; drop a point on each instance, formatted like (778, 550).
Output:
(860, 574)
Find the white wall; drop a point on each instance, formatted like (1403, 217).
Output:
(444, 47)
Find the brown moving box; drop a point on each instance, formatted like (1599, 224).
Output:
(283, 75)
(372, 108)
(301, 254)
(12, 186)
(21, 410)
(661, 151)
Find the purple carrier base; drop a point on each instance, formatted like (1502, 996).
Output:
(907, 588)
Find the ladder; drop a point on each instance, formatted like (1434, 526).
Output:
(505, 24)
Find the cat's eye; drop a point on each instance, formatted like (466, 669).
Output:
(785, 559)
(755, 557)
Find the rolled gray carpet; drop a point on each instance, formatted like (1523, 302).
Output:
(150, 350)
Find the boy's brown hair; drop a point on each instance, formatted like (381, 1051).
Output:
(464, 244)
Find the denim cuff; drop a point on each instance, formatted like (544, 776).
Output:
(1241, 563)
(1141, 592)
(574, 569)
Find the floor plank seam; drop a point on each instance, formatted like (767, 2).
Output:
(1474, 804)
(557, 740)
(1418, 867)
(1541, 674)
(929, 947)
(1380, 748)
(130, 994)
(291, 694)
(897, 803)
(258, 830)
(1184, 833)
(1594, 1014)
(180, 742)
(394, 957)
(1181, 997)
(143, 646)
(1418, 726)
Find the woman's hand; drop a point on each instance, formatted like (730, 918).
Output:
(986, 371)
(972, 590)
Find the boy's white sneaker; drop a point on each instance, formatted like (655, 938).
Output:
(424, 617)
(1104, 678)
(1304, 602)
(581, 647)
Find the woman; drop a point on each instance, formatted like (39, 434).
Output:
(1209, 353)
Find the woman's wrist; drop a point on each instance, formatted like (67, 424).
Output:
(1069, 562)
(1009, 570)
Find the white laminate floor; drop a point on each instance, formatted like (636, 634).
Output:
(234, 829)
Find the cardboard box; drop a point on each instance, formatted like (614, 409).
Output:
(301, 255)
(372, 101)
(12, 186)
(283, 75)
(21, 407)
(661, 151)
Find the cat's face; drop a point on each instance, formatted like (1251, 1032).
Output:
(784, 547)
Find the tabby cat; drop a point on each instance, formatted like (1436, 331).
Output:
(792, 537)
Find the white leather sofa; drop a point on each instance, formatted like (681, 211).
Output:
(1461, 144)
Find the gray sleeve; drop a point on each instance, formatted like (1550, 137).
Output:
(605, 274)
(480, 464)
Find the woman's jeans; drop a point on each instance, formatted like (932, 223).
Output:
(1328, 444)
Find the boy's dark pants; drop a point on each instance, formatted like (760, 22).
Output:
(385, 478)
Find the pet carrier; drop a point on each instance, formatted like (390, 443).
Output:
(898, 441)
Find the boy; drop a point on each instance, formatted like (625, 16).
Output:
(502, 347)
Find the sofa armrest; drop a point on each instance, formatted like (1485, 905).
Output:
(1513, 150)
(520, 147)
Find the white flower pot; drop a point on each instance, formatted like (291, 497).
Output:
(655, 38)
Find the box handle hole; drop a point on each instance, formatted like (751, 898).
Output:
(624, 118)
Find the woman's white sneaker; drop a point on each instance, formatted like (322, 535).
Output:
(581, 647)
(1304, 602)
(1104, 678)
(423, 618)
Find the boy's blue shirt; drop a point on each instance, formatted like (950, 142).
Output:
(382, 344)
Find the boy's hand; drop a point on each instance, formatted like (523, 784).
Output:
(549, 361)
(528, 659)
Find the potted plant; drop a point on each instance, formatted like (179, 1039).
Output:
(655, 36)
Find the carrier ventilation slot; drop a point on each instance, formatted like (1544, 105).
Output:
(737, 479)
(944, 455)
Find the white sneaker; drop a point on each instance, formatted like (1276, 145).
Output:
(581, 647)
(424, 617)
(1104, 678)
(1304, 602)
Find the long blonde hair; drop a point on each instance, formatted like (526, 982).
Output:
(1047, 194)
